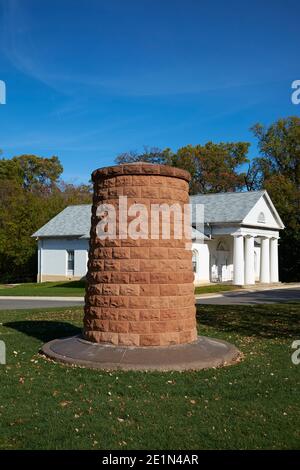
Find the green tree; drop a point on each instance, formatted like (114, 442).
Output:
(213, 167)
(30, 195)
(277, 169)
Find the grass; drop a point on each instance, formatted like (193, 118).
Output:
(212, 288)
(251, 405)
(76, 288)
(68, 289)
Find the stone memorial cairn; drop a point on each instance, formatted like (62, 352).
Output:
(139, 309)
(140, 292)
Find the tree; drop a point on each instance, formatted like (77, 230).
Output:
(213, 167)
(277, 169)
(30, 195)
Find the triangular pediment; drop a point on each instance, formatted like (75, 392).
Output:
(263, 214)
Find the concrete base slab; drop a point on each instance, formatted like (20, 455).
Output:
(201, 354)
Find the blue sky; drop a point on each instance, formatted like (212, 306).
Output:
(87, 80)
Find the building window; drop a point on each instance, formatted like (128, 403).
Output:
(194, 261)
(70, 254)
(261, 218)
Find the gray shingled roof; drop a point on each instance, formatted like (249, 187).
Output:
(225, 207)
(74, 221)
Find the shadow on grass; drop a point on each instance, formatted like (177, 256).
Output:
(265, 321)
(44, 330)
(80, 284)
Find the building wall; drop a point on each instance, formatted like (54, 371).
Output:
(201, 253)
(52, 258)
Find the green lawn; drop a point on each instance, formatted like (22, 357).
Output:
(253, 404)
(212, 288)
(67, 289)
(76, 288)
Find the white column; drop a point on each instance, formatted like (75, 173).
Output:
(238, 260)
(265, 260)
(249, 260)
(274, 260)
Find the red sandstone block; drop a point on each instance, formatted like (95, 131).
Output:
(158, 278)
(121, 252)
(132, 191)
(185, 289)
(189, 324)
(139, 327)
(159, 302)
(93, 336)
(149, 242)
(141, 180)
(130, 242)
(165, 265)
(119, 278)
(107, 337)
(167, 289)
(115, 191)
(129, 289)
(183, 265)
(150, 340)
(158, 326)
(110, 314)
(111, 265)
(129, 339)
(102, 277)
(119, 301)
(118, 326)
(102, 253)
(99, 325)
(129, 265)
(174, 278)
(93, 312)
(187, 277)
(173, 326)
(149, 290)
(160, 180)
(150, 169)
(110, 289)
(169, 339)
(187, 312)
(139, 278)
(139, 253)
(139, 302)
(158, 253)
(94, 289)
(124, 180)
(149, 191)
(128, 315)
(169, 314)
(185, 337)
(177, 253)
(100, 300)
(132, 168)
(96, 265)
(149, 265)
(112, 243)
(149, 315)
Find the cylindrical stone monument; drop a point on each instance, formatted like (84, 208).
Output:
(140, 289)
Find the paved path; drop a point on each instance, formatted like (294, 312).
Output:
(255, 297)
(15, 303)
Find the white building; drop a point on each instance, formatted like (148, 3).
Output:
(240, 242)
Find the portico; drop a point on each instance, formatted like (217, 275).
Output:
(244, 257)
(241, 239)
